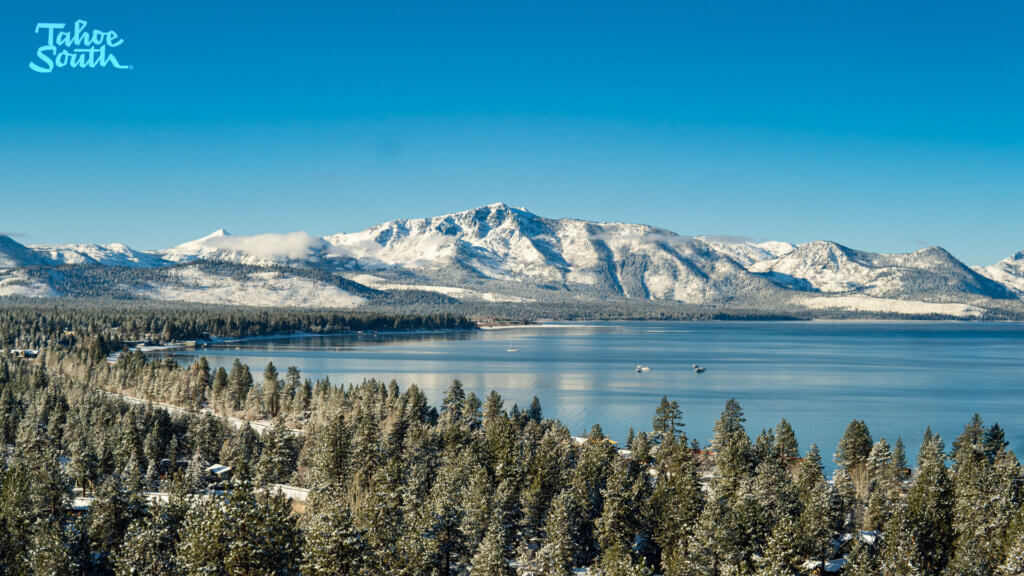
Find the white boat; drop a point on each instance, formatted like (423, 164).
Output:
(512, 350)
(640, 368)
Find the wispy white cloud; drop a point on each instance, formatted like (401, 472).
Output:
(294, 245)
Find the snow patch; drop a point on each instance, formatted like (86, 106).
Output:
(379, 283)
(268, 288)
(15, 283)
(862, 303)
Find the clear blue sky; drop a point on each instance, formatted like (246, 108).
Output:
(884, 126)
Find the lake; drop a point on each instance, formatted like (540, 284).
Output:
(898, 376)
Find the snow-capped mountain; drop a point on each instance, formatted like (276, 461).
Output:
(103, 254)
(259, 250)
(501, 254)
(512, 245)
(14, 254)
(827, 267)
(745, 252)
(1009, 272)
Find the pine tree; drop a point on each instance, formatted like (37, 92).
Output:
(975, 505)
(453, 404)
(10, 414)
(852, 453)
(818, 522)
(477, 505)
(50, 552)
(1013, 564)
(220, 383)
(560, 551)
(149, 544)
(587, 486)
(883, 485)
(617, 527)
(117, 503)
(241, 452)
(900, 550)
(899, 459)
(994, 441)
(846, 491)
(972, 558)
(244, 533)
(668, 421)
(785, 441)
(272, 389)
(728, 425)
(278, 457)
(332, 545)
(378, 515)
(240, 383)
(702, 554)
(773, 488)
(326, 452)
(781, 556)
(441, 543)
(811, 473)
(862, 560)
(930, 507)
(534, 412)
(733, 451)
(492, 556)
(973, 435)
(493, 406)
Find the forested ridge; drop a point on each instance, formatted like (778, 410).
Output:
(35, 323)
(91, 483)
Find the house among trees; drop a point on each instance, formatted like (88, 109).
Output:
(219, 471)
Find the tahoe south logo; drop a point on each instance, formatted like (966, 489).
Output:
(76, 48)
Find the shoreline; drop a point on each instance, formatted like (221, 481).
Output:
(293, 335)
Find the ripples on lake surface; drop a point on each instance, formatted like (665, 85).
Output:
(898, 376)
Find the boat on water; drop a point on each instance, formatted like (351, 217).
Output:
(640, 368)
(697, 369)
(512, 350)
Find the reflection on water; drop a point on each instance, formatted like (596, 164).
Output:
(899, 377)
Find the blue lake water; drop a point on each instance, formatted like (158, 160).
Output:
(898, 376)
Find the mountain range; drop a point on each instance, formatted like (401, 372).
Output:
(500, 254)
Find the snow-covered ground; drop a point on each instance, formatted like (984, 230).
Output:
(379, 283)
(860, 303)
(17, 283)
(268, 288)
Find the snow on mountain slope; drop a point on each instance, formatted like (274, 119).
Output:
(500, 243)
(17, 283)
(776, 248)
(745, 252)
(105, 254)
(861, 303)
(14, 254)
(498, 253)
(259, 250)
(828, 267)
(1009, 272)
(265, 288)
(462, 294)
